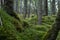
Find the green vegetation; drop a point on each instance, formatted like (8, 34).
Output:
(58, 38)
(27, 29)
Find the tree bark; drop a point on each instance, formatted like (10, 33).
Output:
(21, 10)
(0, 3)
(25, 8)
(46, 7)
(8, 7)
(39, 12)
(29, 8)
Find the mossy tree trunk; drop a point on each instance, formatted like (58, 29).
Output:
(8, 7)
(53, 33)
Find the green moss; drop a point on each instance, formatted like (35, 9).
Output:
(11, 27)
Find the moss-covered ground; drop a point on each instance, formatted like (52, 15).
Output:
(13, 29)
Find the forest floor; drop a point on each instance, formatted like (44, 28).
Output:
(27, 28)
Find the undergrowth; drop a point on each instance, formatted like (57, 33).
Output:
(10, 30)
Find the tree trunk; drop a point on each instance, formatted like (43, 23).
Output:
(46, 7)
(25, 8)
(21, 6)
(0, 3)
(29, 8)
(14, 5)
(17, 6)
(53, 7)
(8, 6)
(39, 12)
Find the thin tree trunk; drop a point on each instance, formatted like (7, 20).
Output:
(14, 5)
(25, 8)
(17, 6)
(53, 7)
(29, 8)
(46, 7)
(21, 6)
(0, 3)
(39, 12)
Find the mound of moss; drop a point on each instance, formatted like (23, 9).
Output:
(9, 27)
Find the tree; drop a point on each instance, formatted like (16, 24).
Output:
(46, 7)
(53, 33)
(0, 22)
(25, 8)
(36, 7)
(8, 7)
(39, 12)
(2, 3)
(53, 7)
(17, 6)
(29, 8)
